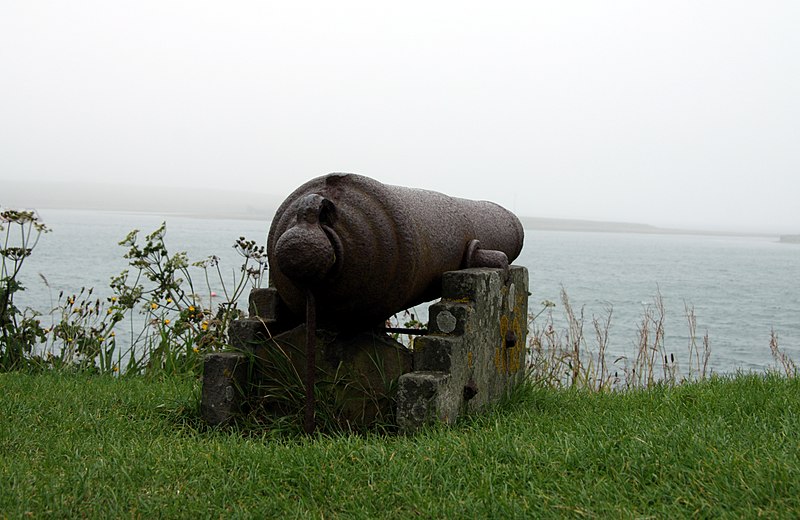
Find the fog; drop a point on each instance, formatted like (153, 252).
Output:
(675, 114)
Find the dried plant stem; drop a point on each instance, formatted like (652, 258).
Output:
(785, 363)
(601, 329)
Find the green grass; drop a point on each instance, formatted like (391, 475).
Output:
(97, 446)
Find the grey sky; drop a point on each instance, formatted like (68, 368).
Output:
(679, 113)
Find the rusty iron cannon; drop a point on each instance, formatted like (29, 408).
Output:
(347, 252)
(367, 250)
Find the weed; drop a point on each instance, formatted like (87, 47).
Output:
(564, 359)
(785, 363)
(20, 330)
(169, 323)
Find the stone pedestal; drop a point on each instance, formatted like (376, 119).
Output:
(474, 352)
(472, 355)
(356, 374)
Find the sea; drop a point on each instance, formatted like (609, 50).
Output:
(742, 288)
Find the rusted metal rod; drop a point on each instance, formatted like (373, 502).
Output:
(309, 422)
(401, 330)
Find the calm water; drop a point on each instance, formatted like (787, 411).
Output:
(741, 287)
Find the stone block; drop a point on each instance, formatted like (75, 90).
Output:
(265, 304)
(245, 335)
(436, 353)
(447, 317)
(423, 398)
(224, 386)
(471, 284)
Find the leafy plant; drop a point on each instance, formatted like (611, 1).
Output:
(20, 330)
(170, 327)
(179, 328)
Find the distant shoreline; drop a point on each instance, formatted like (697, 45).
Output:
(551, 224)
(235, 205)
(528, 223)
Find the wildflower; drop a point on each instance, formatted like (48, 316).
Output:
(169, 300)
(196, 350)
(166, 322)
(113, 299)
(204, 325)
(115, 369)
(109, 311)
(113, 334)
(154, 306)
(101, 338)
(191, 308)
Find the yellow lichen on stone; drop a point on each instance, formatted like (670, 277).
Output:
(508, 360)
(500, 358)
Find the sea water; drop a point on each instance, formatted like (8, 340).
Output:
(741, 288)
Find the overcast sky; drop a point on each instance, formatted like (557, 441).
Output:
(677, 113)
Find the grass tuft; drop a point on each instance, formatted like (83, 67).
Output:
(566, 358)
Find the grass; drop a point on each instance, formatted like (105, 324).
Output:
(567, 358)
(76, 445)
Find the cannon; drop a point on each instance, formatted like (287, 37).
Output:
(347, 252)
(367, 250)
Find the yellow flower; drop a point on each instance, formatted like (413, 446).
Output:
(169, 300)
(113, 299)
(196, 350)
(204, 325)
(115, 369)
(113, 334)
(191, 308)
(101, 338)
(109, 311)
(166, 322)
(154, 306)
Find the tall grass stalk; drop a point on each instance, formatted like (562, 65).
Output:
(566, 359)
(698, 358)
(785, 363)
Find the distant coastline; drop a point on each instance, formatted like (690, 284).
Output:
(552, 224)
(238, 205)
(789, 239)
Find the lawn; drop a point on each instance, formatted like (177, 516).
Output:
(76, 445)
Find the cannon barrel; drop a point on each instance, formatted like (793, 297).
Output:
(368, 250)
